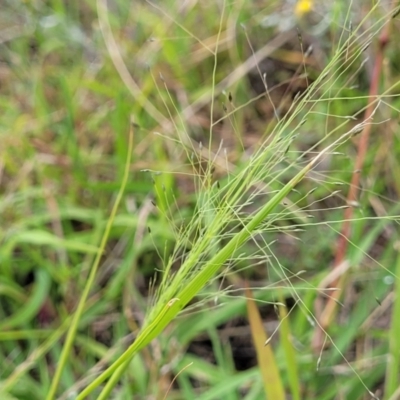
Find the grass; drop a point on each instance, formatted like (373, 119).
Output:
(124, 256)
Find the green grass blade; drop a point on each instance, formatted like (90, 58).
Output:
(78, 313)
(32, 305)
(393, 366)
(290, 354)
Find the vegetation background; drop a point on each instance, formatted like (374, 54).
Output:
(199, 200)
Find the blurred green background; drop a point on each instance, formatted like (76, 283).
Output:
(76, 76)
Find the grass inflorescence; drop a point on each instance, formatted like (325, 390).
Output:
(163, 168)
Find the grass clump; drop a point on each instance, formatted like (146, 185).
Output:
(244, 187)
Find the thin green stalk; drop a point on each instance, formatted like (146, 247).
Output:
(78, 313)
(214, 74)
(393, 368)
(290, 352)
(115, 377)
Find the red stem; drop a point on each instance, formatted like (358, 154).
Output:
(325, 316)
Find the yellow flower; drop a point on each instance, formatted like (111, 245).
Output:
(303, 7)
